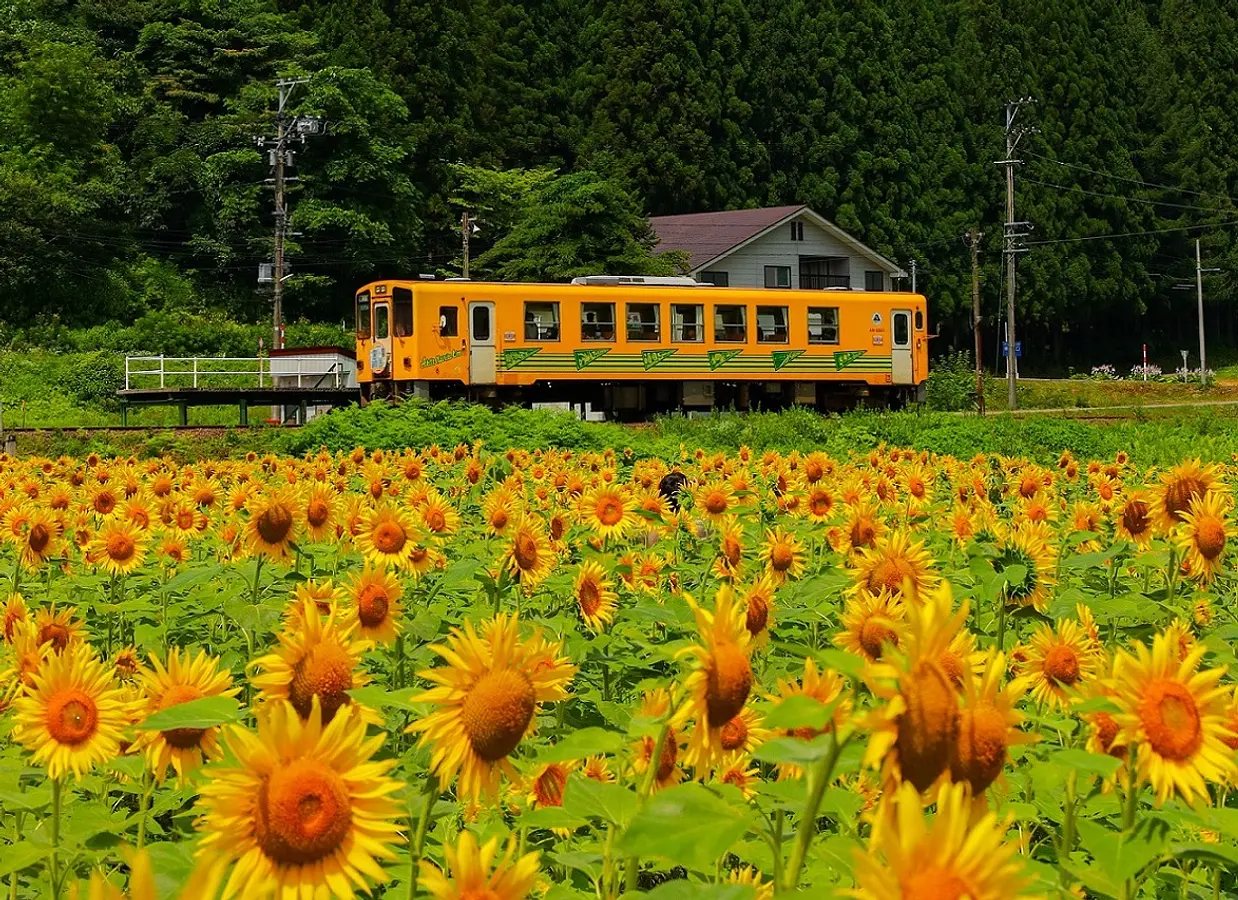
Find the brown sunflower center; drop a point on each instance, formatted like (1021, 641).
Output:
(497, 712)
(756, 619)
(952, 664)
(927, 730)
(185, 520)
(1170, 719)
(389, 537)
(1029, 486)
(890, 573)
(734, 734)
(863, 531)
(820, 505)
(104, 503)
(548, 788)
(728, 680)
(1209, 536)
(181, 738)
(120, 547)
(590, 596)
(875, 633)
(781, 556)
(303, 813)
(71, 717)
(525, 551)
(609, 511)
(55, 633)
(317, 513)
(373, 604)
(732, 551)
(716, 503)
(325, 671)
(1107, 733)
(935, 883)
(1135, 517)
(1062, 665)
(670, 754)
(1178, 494)
(274, 524)
(980, 750)
(498, 520)
(39, 537)
(435, 520)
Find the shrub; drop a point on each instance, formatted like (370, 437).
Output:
(952, 383)
(94, 379)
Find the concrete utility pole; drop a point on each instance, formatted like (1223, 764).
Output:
(973, 241)
(1199, 293)
(464, 242)
(1015, 233)
(913, 276)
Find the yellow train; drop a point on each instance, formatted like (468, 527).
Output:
(629, 346)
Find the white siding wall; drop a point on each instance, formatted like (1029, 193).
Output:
(746, 267)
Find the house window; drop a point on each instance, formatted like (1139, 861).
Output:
(771, 324)
(402, 313)
(644, 322)
(448, 321)
(823, 324)
(777, 276)
(717, 279)
(874, 281)
(797, 231)
(541, 321)
(686, 322)
(731, 324)
(819, 273)
(363, 315)
(597, 321)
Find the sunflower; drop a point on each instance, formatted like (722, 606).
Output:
(305, 811)
(1179, 488)
(486, 700)
(988, 725)
(548, 783)
(719, 687)
(818, 504)
(737, 770)
(499, 509)
(823, 685)
(893, 562)
(714, 499)
(609, 511)
(172, 550)
(15, 616)
(475, 873)
(439, 517)
(871, 623)
(317, 658)
(529, 556)
(595, 596)
(744, 733)
(1029, 545)
(758, 602)
(597, 768)
(783, 555)
(656, 706)
(1202, 535)
(273, 523)
(126, 663)
(914, 734)
(1176, 717)
(962, 525)
(118, 546)
(375, 601)
(40, 538)
(183, 679)
(71, 718)
(386, 536)
(320, 512)
(141, 881)
(730, 557)
(1060, 663)
(959, 854)
(918, 483)
(59, 629)
(750, 877)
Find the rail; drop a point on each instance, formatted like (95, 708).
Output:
(232, 371)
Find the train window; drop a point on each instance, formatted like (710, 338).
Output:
(777, 276)
(541, 321)
(772, 325)
(448, 321)
(731, 324)
(823, 324)
(919, 320)
(687, 320)
(481, 322)
(363, 315)
(902, 337)
(597, 321)
(382, 322)
(402, 311)
(644, 322)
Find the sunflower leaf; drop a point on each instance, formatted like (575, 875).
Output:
(582, 743)
(800, 711)
(686, 825)
(1121, 855)
(376, 696)
(1101, 764)
(682, 889)
(587, 798)
(796, 751)
(201, 713)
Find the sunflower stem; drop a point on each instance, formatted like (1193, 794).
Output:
(148, 787)
(1132, 801)
(21, 821)
(53, 859)
(806, 827)
(779, 817)
(423, 827)
(1001, 621)
(1068, 823)
(257, 574)
(632, 873)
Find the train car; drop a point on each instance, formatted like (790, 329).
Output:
(631, 346)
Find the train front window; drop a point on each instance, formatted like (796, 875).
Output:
(730, 324)
(772, 324)
(363, 315)
(382, 322)
(448, 321)
(402, 311)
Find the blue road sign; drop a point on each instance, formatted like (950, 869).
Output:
(1018, 349)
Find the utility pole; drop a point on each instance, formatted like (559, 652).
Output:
(913, 276)
(1015, 233)
(464, 242)
(973, 241)
(1199, 293)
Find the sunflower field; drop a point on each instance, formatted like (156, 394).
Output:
(462, 675)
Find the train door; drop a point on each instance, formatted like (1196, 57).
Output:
(900, 347)
(381, 351)
(481, 335)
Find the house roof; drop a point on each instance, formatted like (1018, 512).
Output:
(709, 236)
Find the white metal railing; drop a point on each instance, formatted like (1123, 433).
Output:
(186, 371)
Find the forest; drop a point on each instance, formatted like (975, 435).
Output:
(132, 184)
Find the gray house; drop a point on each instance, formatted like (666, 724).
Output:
(775, 247)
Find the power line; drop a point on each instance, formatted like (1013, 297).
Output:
(1153, 184)
(1102, 237)
(1079, 190)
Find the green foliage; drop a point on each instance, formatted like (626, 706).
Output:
(95, 378)
(952, 383)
